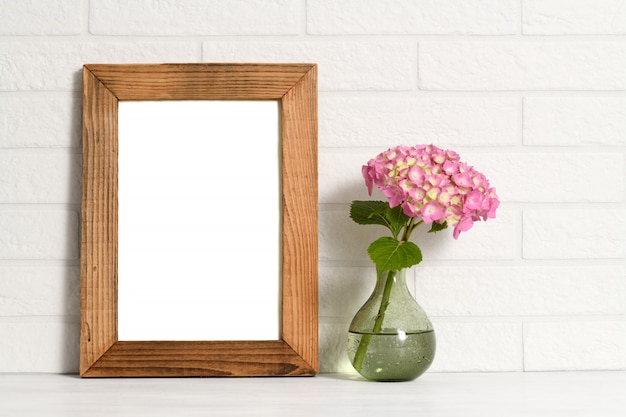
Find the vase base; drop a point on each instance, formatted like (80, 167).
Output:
(393, 357)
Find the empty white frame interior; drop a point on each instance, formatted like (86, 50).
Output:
(199, 220)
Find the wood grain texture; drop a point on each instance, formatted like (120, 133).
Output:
(300, 216)
(296, 354)
(201, 358)
(98, 255)
(199, 81)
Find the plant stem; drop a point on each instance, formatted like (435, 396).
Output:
(412, 225)
(359, 357)
(407, 230)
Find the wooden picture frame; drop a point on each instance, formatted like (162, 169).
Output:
(296, 353)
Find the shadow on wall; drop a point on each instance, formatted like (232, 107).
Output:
(76, 121)
(70, 357)
(70, 346)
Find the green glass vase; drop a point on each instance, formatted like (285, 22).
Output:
(391, 338)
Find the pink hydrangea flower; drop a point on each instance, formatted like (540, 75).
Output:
(433, 185)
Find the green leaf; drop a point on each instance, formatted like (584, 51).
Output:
(436, 227)
(397, 219)
(369, 212)
(389, 253)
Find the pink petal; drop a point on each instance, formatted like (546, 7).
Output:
(431, 212)
(410, 209)
(450, 167)
(463, 225)
(417, 194)
(473, 201)
(394, 194)
(416, 175)
(368, 179)
(462, 179)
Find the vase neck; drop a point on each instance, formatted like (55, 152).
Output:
(398, 276)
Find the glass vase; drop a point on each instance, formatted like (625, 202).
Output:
(391, 337)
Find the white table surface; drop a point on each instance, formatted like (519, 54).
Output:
(593, 394)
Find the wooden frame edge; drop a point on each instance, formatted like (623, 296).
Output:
(296, 354)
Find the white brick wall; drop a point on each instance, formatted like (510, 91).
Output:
(35, 177)
(40, 121)
(41, 17)
(432, 17)
(575, 121)
(374, 121)
(195, 17)
(574, 345)
(522, 65)
(574, 17)
(548, 234)
(33, 234)
(532, 92)
(39, 291)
